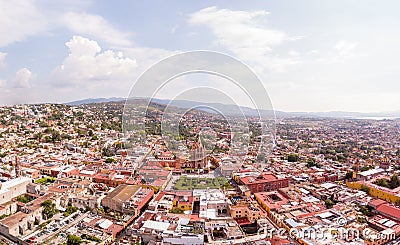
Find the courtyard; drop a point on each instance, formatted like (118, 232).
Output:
(191, 183)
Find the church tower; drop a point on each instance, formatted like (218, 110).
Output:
(17, 168)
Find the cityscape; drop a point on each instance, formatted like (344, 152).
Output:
(165, 122)
(68, 176)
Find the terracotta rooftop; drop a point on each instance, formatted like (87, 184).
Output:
(390, 211)
(260, 179)
(37, 203)
(13, 219)
(123, 192)
(377, 202)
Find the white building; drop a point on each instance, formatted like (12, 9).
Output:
(213, 203)
(13, 188)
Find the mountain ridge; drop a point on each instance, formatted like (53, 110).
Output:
(235, 110)
(94, 100)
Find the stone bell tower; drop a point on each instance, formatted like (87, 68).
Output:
(18, 171)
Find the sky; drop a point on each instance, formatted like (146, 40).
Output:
(310, 55)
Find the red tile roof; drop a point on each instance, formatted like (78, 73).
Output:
(260, 179)
(243, 221)
(377, 202)
(389, 210)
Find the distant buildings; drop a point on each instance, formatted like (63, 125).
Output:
(114, 187)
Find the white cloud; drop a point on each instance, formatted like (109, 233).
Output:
(89, 71)
(19, 20)
(239, 29)
(341, 51)
(2, 58)
(345, 49)
(246, 34)
(96, 26)
(22, 78)
(79, 47)
(86, 65)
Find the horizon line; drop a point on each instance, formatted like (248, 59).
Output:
(119, 99)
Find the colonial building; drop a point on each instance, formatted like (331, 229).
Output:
(13, 188)
(24, 221)
(197, 157)
(261, 182)
(129, 199)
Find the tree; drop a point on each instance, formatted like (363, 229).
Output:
(366, 211)
(24, 199)
(293, 157)
(70, 210)
(73, 240)
(110, 160)
(49, 209)
(311, 163)
(366, 168)
(365, 189)
(311, 160)
(66, 136)
(176, 211)
(100, 211)
(329, 203)
(260, 158)
(361, 220)
(108, 152)
(382, 182)
(349, 175)
(394, 182)
(90, 238)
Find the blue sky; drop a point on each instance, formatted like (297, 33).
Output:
(310, 55)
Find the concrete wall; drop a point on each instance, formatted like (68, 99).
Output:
(24, 226)
(9, 208)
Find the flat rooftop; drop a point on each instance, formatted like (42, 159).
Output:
(123, 193)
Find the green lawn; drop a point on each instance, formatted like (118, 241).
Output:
(45, 180)
(187, 183)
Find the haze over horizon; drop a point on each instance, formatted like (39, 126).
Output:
(117, 99)
(312, 57)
